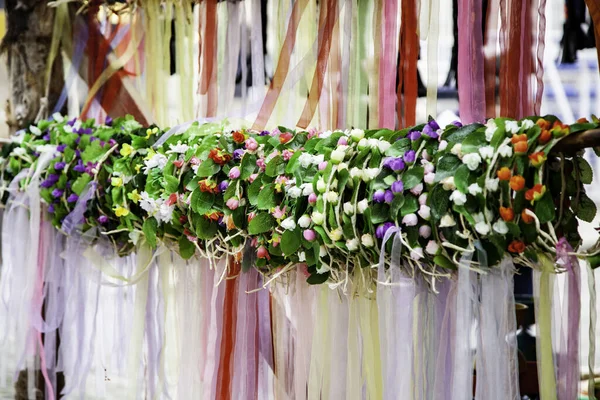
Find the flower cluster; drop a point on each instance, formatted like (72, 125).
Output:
(328, 201)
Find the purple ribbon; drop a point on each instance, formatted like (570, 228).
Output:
(75, 218)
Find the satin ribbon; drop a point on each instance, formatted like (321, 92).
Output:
(387, 65)
(407, 89)
(592, 332)
(75, 217)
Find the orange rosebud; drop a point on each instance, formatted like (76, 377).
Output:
(559, 129)
(537, 158)
(545, 137)
(238, 137)
(507, 214)
(516, 246)
(504, 174)
(219, 157)
(520, 147)
(528, 219)
(518, 138)
(542, 123)
(582, 120)
(517, 183)
(535, 193)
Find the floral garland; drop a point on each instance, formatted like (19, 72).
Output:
(322, 201)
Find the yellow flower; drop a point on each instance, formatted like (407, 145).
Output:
(121, 211)
(138, 167)
(150, 132)
(134, 196)
(126, 150)
(116, 181)
(150, 154)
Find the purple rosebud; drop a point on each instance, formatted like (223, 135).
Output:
(102, 143)
(343, 141)
(60, 165)
(93, 138)
(47, 183)
(322, 165)
(276, 132)
(414, 135)
(433, 124)
(409, 156)
(457, 124)
(36, 154)
(79, 167)
(388, 196)
(46, 137)
(77, 140)
(429, 131)
(263, 133)
(108, 121)
(312, 198)
(394, 163)
(53, 177)
(223, 186)
(398, 187)
(238, 153)
(382, 229)
(51, 208)
(72, 122)
(379, 196)
(72, 198)
(221, 222)
(112, 142)
(57, 193)
(88, 131)
(77, 154)
(89, 168)
(61, 147)
(103, 219)
(234, 173)
(309, 235)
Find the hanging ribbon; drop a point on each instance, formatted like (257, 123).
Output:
(490, 39)
(373, 64)
(433, 36)
(387, 65)
(471, 87)
(208, 76)
(594, 9)
(541, 46)
(407, 67)
(591, 278)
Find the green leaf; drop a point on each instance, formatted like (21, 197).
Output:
(261, 223)
(544, 209)
(412, 177)
(202, 201)
(379, 213)
(171, 184)
(149, 228)
(253, 191)
(578, 127)
(275, 167)
(444, 262)
(460, 134)
(248, 166)
(93, 152)
(473, 142)
(586, 175)
(398, 148)
(290, 241)
(80, 184)
(205, 227)
(266, 198)
(438, 200)
(207, 168)
(447, 166)
(586, 208)
(388, 180)
(186, 248)
(396, 205)
(461, 179)
(411, 205)
(317, 279)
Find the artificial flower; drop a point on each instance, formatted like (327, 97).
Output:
(516, 246)
(458, 198)
(208, 186)
(559, 129)
(336, 234)
(544, 137)
(490, 129)
(397, 187)
(474, 189)
(379, 196)
(312, 198)
(72, 198)
(178, 148)
(442, 146)
(394, 163)
(331, 197)
(367, 240)
(517, 183)
(505, 150)
(278, 212)
(507, 213)
(417, 189)
(294, 192)
(527, 124)
(157, 160)
(382, 229)
(362, 206)
(285, 137)
(238, 137)
(363, 144)
(343, 141)
(357, 134)
(491, 184)
(233, 203)
(116, 181)
(234, 173)
(262, 252)
(520, 147)
(121, 211)
(388, 196)
(383, 145)
(317, 218)
(288, 224)
(134, 196)
(500, 227)
(543, 124)
(537, 159)
(337, 156)
(352, 244)
(309, 235)
(511, 126)
(448, 183)
(425, 231)
(321, 186)
(304, 221)
(429, 178)
(432, 247)
(416, 253)
(528, 219)
(504, 174)
(370, 174)
(410, 220)
(481, 226)
(536, 193)
(251, 144)
(486, 152)
(457, 150)
(409, 156)
(422, 199)
(287, 154)
(447, 221)
(348, 208)
(424, 212)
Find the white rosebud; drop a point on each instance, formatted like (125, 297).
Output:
(336, 234)
(417, 189)
(458, 198)
(307, 189)
(361, 206)
(134, 236)
(342, 166)
(35, 130)
(511, 126)
(448, 183)
(472, 160)
(425, 155)
(486, 152)
(500, 227)
(474, 189)
(288, 224)
(357, 134)
(410, 220)
(325, 135)
(491, 184)
(318, 159)
(304, 221)
(442, 146)
(527, 124)
(425, 231)
(301, 256)
(331, 197)
(321, 186)
(294, 192)
(505, 150)
(432, 247)
(370, 174)
(356, 173)
(489, 215)
(373, 143)
(363, 144)
(317, 217)
(423, 199)
(322, 251)
(383, 145)
(305, 160)
(428, 168)
(348, 208)
(337, 156)
(57, 117)
(416, 253)
(424, 212)
(367, 240)
(429, 178)
(352, 244)
(447, 221)
(481, 226)
(490, 129)
(457, 150)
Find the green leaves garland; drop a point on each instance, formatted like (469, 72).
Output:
(321, 200)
